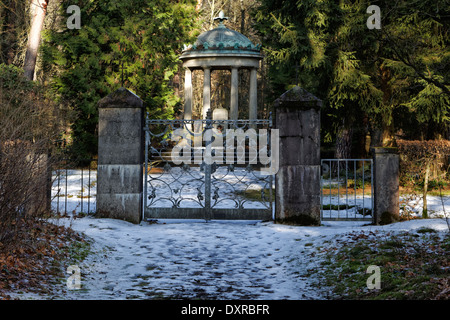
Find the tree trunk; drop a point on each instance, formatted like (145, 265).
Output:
(388, 137)
(242, 17)
(387, 122)
(343, 147)
(38, 11)
(425, 189)
(344, 143)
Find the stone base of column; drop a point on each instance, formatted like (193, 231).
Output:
(297, 198)
(120, 157)
(386, 185)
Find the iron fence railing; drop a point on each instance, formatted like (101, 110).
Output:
(74, 186)
(347, 189)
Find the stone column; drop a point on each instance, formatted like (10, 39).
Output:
(253, 95)
(234, 107)
(206, 91)
(120, 156)
(386, 185)
(188, 94)
(297, 182)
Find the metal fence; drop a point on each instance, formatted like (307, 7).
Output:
(74, 187)
(232, 187)
(347, 189)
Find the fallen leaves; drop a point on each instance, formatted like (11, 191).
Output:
(33, 264)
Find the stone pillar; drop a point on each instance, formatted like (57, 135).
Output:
(253, 95)
(120, 156)
(386, 185)
(188, 94)
(234, 103)
(206, 91)
(297, 182)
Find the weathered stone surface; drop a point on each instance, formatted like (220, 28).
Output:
(297, 182)
(120, 206)
(121, 98)
(298, 151)
(120, 178)
(120, 156)
(386, 185)
(298, 193)
(294, 123)
(120, 135)
(298, 98)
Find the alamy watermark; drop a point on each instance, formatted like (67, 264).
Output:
(374, 281)
(74, 21)
(374, 21)
(74, 280)
(215, 152)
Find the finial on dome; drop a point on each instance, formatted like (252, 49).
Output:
(221, 18)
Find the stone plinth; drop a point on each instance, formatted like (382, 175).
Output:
(120, 156)
(386, 185)
(297, 183)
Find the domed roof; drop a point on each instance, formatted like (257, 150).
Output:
(222, 40)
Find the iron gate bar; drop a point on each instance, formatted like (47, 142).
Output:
(363, 209)
(209, 210)
(63, 171)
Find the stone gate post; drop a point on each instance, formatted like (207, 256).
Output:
(297, 183)
(120, 156)
(386, 185)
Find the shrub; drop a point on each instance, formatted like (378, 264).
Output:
(415, 154)
(27, 127)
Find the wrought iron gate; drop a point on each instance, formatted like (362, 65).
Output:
(347, 189)
(208, 169)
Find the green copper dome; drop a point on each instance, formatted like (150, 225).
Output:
(222, 40)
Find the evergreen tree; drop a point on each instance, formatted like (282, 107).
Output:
(130, 43)
(368, 78)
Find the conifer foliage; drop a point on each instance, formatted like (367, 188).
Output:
(372, 80)
(131, 43)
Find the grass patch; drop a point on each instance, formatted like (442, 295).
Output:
(413, 266)
(37, 264)
(78, 251)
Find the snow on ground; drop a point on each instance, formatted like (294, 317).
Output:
(194, 259)
(225, 260)
(74, 191)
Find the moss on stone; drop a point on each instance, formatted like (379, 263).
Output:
(387, 218)
(299, 220)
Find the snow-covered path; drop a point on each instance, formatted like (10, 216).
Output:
(196, 260)
(188, 259)
(226, 260)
